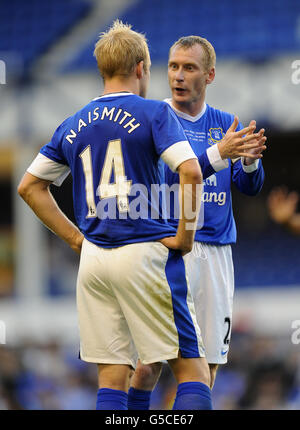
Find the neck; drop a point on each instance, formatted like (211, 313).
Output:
(119, 84)
(192, 108)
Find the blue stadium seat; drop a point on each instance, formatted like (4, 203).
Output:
(267, 260)
(28, 28)
(251, 30)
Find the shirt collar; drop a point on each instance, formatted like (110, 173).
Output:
(114, 95)
(185, 115)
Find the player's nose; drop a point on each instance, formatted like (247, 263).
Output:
(179, 75)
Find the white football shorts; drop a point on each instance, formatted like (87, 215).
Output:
(135, 301)
(211, 277)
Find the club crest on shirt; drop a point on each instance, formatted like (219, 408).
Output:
(215, 135)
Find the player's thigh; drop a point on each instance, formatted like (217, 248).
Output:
(104, 333)
(210, 271)
(151, 287)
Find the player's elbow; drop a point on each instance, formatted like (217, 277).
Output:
(32, 185)
(23, 190)
(252, 192)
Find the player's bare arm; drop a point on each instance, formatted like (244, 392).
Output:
(37, 195)
(243, 143)
(282, 208)
(190, 176)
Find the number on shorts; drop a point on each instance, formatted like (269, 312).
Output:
(113, 163)
(226, 338)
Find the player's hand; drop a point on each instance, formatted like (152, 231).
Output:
(242, 143)
(282, 205)
(255, 153)
(76, 243)
(172, 242)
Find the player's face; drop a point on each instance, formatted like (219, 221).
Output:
(187, 76)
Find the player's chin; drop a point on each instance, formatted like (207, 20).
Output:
(179, 95)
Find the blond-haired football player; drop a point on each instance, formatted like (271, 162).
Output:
(132, 292)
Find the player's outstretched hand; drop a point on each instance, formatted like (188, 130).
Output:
(242, 143)
(282, 204)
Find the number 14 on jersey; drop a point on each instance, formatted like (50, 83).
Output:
(113, 163)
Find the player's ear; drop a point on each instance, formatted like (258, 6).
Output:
(140, 69)
(211, 76)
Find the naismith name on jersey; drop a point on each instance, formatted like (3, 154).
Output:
(113, 114)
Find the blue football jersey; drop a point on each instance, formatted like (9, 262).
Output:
(112, 147)
(216, 224)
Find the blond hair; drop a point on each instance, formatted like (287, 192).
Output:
(119, 50)
(186, 42)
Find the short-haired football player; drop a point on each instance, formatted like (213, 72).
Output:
(227, 153)
(132, 292)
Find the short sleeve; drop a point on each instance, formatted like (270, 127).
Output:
(169, 138)
(51, 164)
(44, 168)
